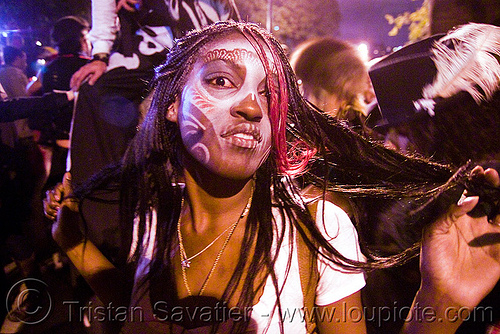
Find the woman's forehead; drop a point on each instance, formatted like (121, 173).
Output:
(233, 47)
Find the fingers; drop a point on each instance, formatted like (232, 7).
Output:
(98, 68)
(66, 230)
(49, 210)
(477, 170)
(489, 204)
(455, 212)
(77, 78)
(71, 95)
(491, 176)
(94, 76)
(495, 220)
(52, 201)
(91, 72)
(55, 197)
(66, 184)
(68, 199)
(124, 4)
(465, 205)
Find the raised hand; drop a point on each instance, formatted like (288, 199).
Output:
(460, 256)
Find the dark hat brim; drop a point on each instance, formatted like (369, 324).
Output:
(398, 80)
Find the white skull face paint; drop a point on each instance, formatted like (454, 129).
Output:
(223, 110)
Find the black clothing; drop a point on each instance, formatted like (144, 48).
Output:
(56, 76)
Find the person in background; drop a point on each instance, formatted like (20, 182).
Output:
(441, 96)
(70, 37)
(334, 78)
(14, 81)
(211, 217)
(25, 213)
(453, 120)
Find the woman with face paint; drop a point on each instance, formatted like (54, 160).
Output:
(214, 229)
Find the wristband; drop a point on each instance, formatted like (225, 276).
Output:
(104, 57)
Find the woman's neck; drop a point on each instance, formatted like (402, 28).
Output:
(215, 204)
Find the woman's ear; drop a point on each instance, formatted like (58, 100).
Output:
(173, 111)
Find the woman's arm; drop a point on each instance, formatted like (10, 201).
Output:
(104, 278)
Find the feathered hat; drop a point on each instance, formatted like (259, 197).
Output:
(409, 82)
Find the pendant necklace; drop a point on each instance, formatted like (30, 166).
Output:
(186, 261)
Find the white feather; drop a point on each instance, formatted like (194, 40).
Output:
(469, 64)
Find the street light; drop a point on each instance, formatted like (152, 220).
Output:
(269, 19)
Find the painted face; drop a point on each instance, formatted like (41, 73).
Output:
(223, 110)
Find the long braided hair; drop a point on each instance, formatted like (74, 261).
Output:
(151, 168)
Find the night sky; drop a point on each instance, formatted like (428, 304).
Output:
(363, 20)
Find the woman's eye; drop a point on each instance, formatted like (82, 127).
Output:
(221, 82)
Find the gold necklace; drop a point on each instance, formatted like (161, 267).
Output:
(186, 262)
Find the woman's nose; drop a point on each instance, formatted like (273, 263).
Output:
(248, 108)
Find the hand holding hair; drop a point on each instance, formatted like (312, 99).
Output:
(52, 201)
(61, 207)
(459, 263)
(485, 184)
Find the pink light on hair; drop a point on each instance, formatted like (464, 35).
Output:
(298, 155)
(294, 160)
(278, 108)
(278, 115)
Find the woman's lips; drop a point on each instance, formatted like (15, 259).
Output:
(243, 135)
